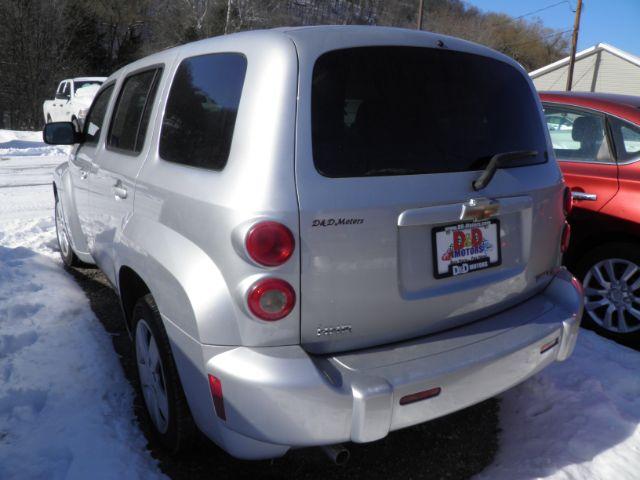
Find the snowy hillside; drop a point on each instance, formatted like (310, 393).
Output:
(66, 408)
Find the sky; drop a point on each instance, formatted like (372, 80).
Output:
(603, 21)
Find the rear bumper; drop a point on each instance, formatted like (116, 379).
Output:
(281, 397)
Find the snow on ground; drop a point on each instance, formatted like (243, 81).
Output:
(579, 419)
(16, 144)
(65, 406)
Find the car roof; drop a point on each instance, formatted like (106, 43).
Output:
(624, 106)
(306, 35)
(89, 79)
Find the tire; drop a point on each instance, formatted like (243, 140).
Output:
(611, 278)
(67, 254)
(158, 381)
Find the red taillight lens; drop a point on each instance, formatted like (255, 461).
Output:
(271, 299)
(567, 202)
(566, 238)
(270, 243)
(216, 394)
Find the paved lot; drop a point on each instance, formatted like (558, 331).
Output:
(456, 447)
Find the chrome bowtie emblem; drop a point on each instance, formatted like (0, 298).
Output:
(477, 209)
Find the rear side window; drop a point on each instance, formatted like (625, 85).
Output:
(576, 135)
(95, 118)
(409, 110)
(201, 110)
(627, 139)
(131, 115)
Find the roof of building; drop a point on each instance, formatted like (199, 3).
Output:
(585, 53)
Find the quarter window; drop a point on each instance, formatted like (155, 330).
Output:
(577, 136)
(201, 110)
(627, 139)
(95, 118)
(132, 112)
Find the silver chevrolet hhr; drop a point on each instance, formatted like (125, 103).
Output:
(321, 234)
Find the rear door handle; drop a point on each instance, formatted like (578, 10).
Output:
(119, 191)
(580, 196)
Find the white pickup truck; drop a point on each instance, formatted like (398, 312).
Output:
(72, 100)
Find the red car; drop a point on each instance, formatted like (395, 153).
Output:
(596, 139)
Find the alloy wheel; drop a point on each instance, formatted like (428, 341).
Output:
(612, 295)
(152, 378)
(61, 232)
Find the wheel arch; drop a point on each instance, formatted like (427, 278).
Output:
(187, 286)
(131, 287)
(597, 231)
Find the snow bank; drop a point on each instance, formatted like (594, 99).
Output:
(66, 410)
(23, 144)
(15, 135)
(576, 420)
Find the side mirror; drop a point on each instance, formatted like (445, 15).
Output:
(61, 133)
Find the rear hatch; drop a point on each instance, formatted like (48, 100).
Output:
(397, 135)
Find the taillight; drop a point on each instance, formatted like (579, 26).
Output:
(566, 238)
(216, 393)
(270, 243)
(567, 202)
(271, 299)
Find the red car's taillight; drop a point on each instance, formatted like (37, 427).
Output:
(271, 299)
(270, 243)
(567, 202)
(566, 238)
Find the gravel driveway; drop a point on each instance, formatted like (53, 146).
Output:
(457, 446)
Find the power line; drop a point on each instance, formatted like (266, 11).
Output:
(545, 8)
(510, 19)
(558, 34)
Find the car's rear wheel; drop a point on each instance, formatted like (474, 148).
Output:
(611, 278)
(66, 251)
(158, 381)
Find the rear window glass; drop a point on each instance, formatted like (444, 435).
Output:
(410, 110)
(131, 116)
(576, 135)
(201, 110)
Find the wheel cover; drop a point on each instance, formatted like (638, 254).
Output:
(152, 378)
(61, 232)
(612, 297)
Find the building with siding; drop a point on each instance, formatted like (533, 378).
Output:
(601, 68)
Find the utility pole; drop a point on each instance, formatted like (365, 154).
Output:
(420, 11)
(574, 43)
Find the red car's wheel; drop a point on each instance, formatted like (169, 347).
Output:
(611, 279)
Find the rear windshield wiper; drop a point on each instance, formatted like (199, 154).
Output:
(502, 160)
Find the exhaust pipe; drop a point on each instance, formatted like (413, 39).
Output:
(338, 454)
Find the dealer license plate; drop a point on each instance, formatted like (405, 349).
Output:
(465, 248)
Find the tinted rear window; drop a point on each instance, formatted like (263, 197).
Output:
(201, 111)
(409, 110)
